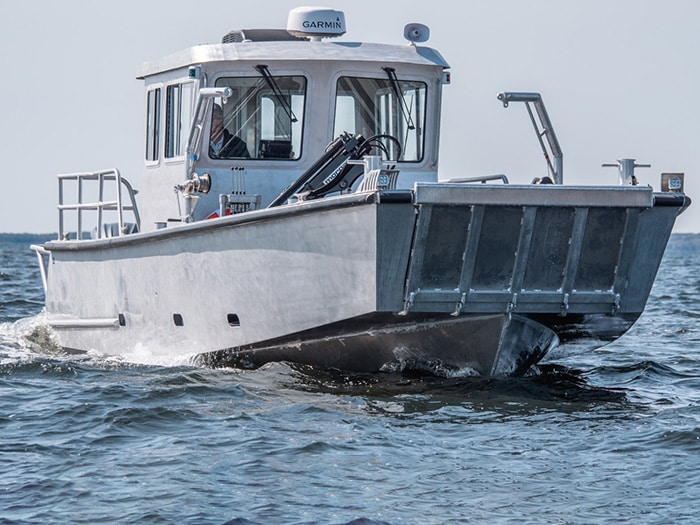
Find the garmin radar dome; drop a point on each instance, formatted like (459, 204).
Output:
(316, 23)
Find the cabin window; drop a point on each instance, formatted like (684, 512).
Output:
(262, 120)
(152, 124)
(178, 118)
(377, 106)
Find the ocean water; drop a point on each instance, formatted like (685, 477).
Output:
(608, 436)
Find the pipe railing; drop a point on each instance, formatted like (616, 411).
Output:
(554, 156)
(100, 204)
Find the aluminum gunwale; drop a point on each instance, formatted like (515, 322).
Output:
(425, 193)
(266, 214)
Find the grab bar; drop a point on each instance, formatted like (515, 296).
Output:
(100, 205)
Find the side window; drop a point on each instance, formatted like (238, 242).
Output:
(263, 119)
(178, 118)
(376, 106)
(152, 124)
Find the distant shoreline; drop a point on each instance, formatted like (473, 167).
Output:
(27, 238)
(684, 241)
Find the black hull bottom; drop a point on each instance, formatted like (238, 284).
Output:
(598, 328)
(490, 345)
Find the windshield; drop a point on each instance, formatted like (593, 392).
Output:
(263, 119)
(373, 106)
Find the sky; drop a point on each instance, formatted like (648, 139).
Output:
(618, 78)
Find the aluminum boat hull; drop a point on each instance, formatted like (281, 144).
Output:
(477, 278)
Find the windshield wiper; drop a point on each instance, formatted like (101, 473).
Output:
(396, 86)
(265, 72)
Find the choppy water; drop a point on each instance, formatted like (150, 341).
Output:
(611, 436)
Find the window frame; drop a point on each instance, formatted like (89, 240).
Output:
(396, 113)
(179, 105)
(258, 127)
(152, 143)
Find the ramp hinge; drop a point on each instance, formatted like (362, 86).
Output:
(408, 304)
(460, 304)
(565, 305)
(512, 304)
(616, 304)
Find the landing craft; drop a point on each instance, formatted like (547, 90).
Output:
(291, 209)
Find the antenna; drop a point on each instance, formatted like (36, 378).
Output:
(416, 33)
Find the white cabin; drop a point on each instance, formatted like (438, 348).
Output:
(290, 96)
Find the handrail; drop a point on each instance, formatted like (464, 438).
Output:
(556, 170)
(203, 108)
(41, 252)
(100, 205)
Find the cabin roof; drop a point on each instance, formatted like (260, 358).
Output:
(292, 51)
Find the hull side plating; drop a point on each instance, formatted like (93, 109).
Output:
(359, 283)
